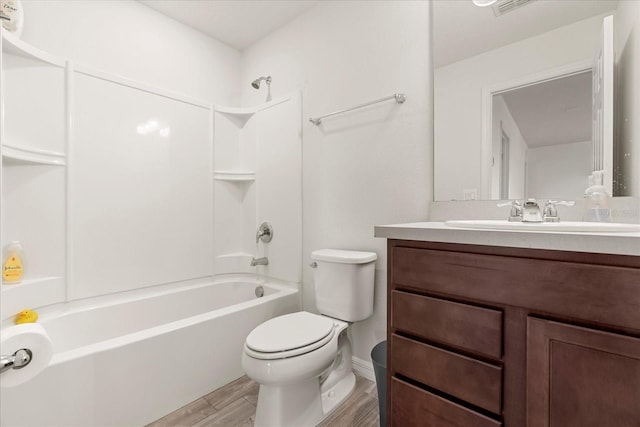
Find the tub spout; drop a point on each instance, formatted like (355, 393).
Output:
(259, 261)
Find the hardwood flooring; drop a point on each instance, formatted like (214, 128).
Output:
(234, 405)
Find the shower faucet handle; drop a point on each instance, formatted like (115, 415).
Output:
(264, 233)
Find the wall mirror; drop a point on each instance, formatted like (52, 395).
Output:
(537, 136)
(513, 100)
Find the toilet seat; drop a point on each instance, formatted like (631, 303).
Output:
(289, 335)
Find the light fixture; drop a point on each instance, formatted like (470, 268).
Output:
(484, 3)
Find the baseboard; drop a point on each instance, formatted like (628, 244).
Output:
(363, 368)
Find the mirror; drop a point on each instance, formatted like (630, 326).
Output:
(513, 96)
(540, 138)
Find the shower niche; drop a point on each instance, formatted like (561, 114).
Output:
(33, 136)
(258, 177)
(235, 188)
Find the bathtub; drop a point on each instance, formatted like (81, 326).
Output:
(129, 359)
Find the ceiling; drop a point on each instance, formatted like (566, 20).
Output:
(238, 23)
(461, 29)
(553, 112)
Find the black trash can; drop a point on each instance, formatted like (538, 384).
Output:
(379, 359)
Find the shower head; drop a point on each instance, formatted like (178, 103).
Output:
(256, 82)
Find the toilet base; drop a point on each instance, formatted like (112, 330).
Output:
(303, 390)
(332, 398)
(302, 404)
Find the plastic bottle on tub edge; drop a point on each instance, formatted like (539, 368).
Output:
(12, 263)
(596, 208)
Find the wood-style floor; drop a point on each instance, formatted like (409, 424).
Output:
(235, 405)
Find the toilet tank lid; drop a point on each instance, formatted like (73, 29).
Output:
(342, 256)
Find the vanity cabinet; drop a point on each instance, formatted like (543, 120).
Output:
(499, 336)
(581, 377)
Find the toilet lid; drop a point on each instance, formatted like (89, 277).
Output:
(289, 332)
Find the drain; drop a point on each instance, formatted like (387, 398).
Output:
(259, 291)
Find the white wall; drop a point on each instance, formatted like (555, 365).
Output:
(559, 171)
(129, 39)
(279, 188)
(141, 202)
(458, 92)
(371, 166)
(132, 40)
(627, 47)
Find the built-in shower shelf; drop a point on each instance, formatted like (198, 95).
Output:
(36, 281)
(234, 262)
(13, 155)
(240, 116)
(12, 45)
(31, 293)
(244, 176)
(239, 254)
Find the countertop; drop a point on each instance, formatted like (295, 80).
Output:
(607, 243)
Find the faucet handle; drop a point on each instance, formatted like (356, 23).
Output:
(264, 233)
(550, 213)
(561, 202)
(516, 210)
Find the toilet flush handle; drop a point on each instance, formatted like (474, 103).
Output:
(313, 265)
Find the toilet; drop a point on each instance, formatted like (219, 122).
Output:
(302, 360)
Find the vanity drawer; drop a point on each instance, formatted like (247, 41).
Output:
(412, 406)
(464, 326)
(575, 291)
(468, 379)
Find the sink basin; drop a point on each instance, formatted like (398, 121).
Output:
(576, 226)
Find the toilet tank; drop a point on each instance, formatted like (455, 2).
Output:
(344, 283)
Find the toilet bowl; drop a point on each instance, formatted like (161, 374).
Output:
(292, 379)
(302, 360)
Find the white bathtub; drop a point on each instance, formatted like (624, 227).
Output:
(128, 360)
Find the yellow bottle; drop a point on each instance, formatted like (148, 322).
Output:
(12, 267)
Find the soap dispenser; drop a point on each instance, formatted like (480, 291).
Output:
(596, 207)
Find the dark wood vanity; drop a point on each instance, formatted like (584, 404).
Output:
(499, 336)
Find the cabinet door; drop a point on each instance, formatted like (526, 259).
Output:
(581, 377)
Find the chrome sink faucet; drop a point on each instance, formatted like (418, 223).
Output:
(530, 210)
(516, 210)
(550, 213)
